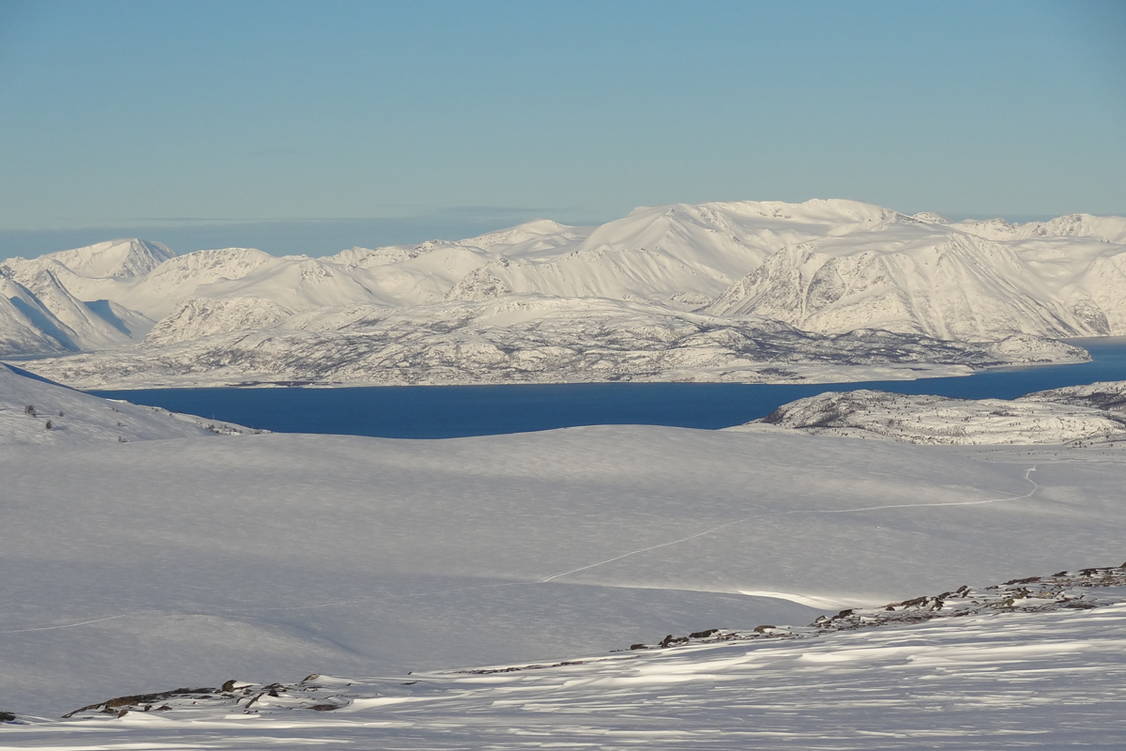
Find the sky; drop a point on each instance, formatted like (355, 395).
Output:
(310, 127)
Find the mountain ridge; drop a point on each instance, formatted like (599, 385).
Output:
(825, 266)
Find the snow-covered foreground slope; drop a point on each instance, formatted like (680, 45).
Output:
(148, 565)
(1045, 680)
(532, 339)
(1076, 414)
(36, 411)
(823, 266)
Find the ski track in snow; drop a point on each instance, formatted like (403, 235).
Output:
(658, 546)
(546, 580)
(76, 624)
(1027, 477)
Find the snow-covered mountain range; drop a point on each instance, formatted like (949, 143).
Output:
(825, 267)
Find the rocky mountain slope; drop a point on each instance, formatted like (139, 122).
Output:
(824, 266)
(523, 339)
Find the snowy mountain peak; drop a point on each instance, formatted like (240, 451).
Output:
(518, 233)
(532, 237)
(114, 259)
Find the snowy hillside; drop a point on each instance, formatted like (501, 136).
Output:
(517, 339)
(823, 266)
(25, 323)
(1048, 673)
(1078, 414)
(154, 564)
(37, 412)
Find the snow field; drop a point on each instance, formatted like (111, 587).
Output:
(127, 568)
(1043, 680)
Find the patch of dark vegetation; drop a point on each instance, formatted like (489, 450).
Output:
(136, 701)
(234, 693)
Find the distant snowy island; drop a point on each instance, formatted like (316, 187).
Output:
(752, 292)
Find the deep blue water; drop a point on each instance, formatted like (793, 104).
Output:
(451, 411)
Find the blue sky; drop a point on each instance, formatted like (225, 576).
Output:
(300, 126)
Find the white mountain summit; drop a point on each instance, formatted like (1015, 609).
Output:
(826, 267)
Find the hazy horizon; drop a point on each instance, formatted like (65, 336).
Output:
(269, 121)
(314, 236)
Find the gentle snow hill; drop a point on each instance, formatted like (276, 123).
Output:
(155, 564)
(519, 339)
(36, 411)
(1070, 415)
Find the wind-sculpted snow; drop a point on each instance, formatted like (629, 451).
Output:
(1031, 676)
(527, 339)
(1073, 415)
(34, 411)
